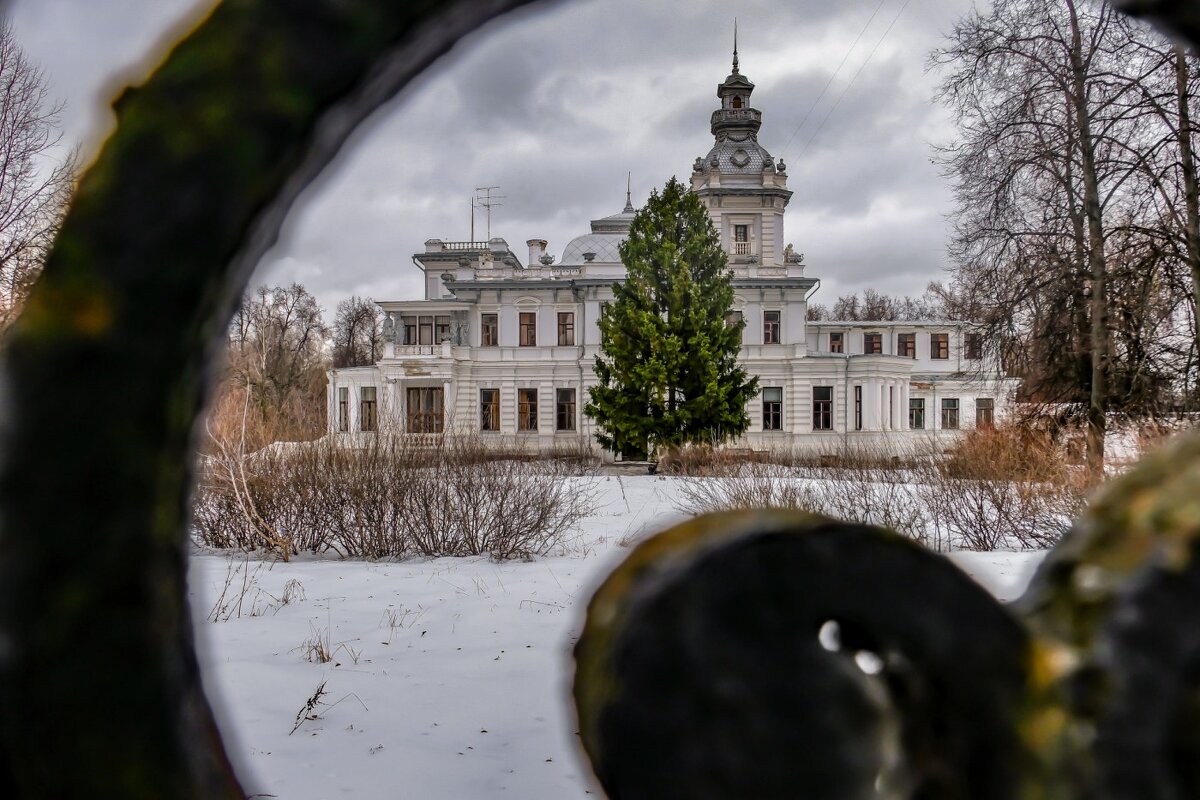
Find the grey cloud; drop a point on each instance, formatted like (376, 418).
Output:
(556, 105)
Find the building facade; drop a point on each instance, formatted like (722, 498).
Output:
(503, 343)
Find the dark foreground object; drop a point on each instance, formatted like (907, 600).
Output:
(107, 371)
(708, 667)
(105, 376)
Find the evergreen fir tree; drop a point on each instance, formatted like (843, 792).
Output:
(668, 371)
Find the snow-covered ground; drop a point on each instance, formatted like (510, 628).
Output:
(449, 677)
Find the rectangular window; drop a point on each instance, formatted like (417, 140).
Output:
(366, 409)
(939, 345)
(528, 321)
(872, 342)
(950, 413)
(770, 327)
(906, 345)
(343, 409)
(425, 410)
(566, 329)
(410, 330)
(741, 233)
(426, 330)
(441, 329)
(772, 400)
(489, 409)
(858, 408)
(489, 330)
(835, 342)
(916, 413)
(822, 408)
(564, 409)
(733, 319)
(527, 409)
(984, 413)
(973, 346)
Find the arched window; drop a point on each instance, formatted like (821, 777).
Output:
(737, 102)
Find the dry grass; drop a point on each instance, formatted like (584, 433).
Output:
(1004, 488)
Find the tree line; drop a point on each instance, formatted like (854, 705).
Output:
(280, 348)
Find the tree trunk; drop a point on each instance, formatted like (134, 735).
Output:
(1098, 404)
(1191, 197)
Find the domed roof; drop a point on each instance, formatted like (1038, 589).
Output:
(604, 240)
(738, 155)
(606, 246)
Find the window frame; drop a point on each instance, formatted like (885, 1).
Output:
(988, 419)
(430, 416)
(876, 339)
(442, 326)
(939, 346)
(565, 410)
(527, 324)
(772, 409)
(916, 411)
(489, 329)
(527, 410)
(566, 328)
(858, 407)
(841, 342)
(906, 345)
(489, 410)
(368, 409)
(772, 328)
(822, 419)
(950, 413)
(973, 345)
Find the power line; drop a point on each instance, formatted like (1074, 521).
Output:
(837, 102)
(833, 77)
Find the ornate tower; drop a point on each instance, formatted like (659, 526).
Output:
(741, 184)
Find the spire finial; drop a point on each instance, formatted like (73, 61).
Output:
(735, 58)
(628, 191)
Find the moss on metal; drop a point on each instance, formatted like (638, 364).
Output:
(106, 374)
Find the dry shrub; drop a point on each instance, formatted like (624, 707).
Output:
(1005, 487)
(864, 485)
(398, 496)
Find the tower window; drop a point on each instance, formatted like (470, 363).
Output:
(737, 102)
(741, 233)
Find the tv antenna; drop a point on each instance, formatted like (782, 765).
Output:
(488, 201)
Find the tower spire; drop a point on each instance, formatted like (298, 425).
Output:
(735, 58)
(628, 191)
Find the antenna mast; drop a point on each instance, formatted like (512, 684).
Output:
(487, 201)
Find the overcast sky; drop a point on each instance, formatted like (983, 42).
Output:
(557, 104)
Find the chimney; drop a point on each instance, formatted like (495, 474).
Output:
(537, 249)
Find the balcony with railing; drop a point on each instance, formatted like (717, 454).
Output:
(464, 245)
(742, 249)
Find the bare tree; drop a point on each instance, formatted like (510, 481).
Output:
(357, 333)
(873, 305)
(34, 189)
(1041, 90)
(277, 351)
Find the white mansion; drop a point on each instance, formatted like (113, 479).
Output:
(506, 348)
